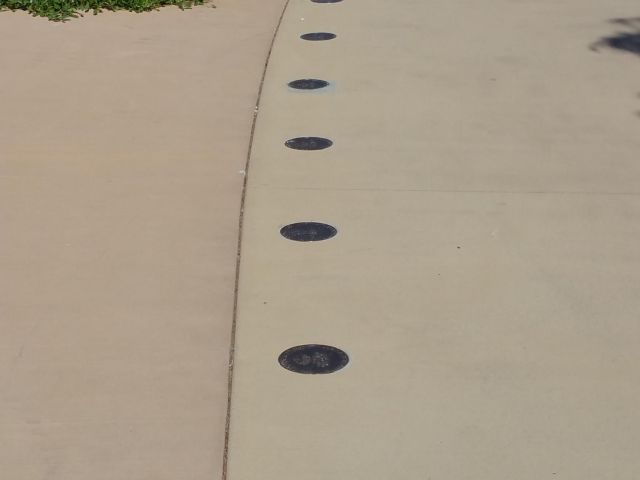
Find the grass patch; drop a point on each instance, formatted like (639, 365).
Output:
(61, 10)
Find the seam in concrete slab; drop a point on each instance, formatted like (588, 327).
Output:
(429, 190)
(225, 459)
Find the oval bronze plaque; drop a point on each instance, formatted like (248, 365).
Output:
(313, 359)
(308, 84)
(308, 143)
(308, 231)
(318, 36)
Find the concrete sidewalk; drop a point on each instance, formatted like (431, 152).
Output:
(122, 143)
(484, 183)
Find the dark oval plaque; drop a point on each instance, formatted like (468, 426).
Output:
(326, 1)
(308, 143)
(308, 231)
(313, 359)
(308, 84)
(318, 36)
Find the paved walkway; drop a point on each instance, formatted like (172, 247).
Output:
(482, 179)
(484, 183)
(122, 138)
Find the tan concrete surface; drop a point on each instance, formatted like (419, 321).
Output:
(484, 180)
(122, 138)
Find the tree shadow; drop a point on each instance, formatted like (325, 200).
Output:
(626, 41)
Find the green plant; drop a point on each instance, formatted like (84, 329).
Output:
(61, 10)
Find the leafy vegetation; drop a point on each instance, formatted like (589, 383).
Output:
(61, 10)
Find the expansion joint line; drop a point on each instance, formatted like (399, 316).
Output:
(225, 460)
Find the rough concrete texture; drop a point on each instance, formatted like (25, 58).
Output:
(484, 180)
(122, 140)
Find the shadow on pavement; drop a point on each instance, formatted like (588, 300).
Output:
(628, 41)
